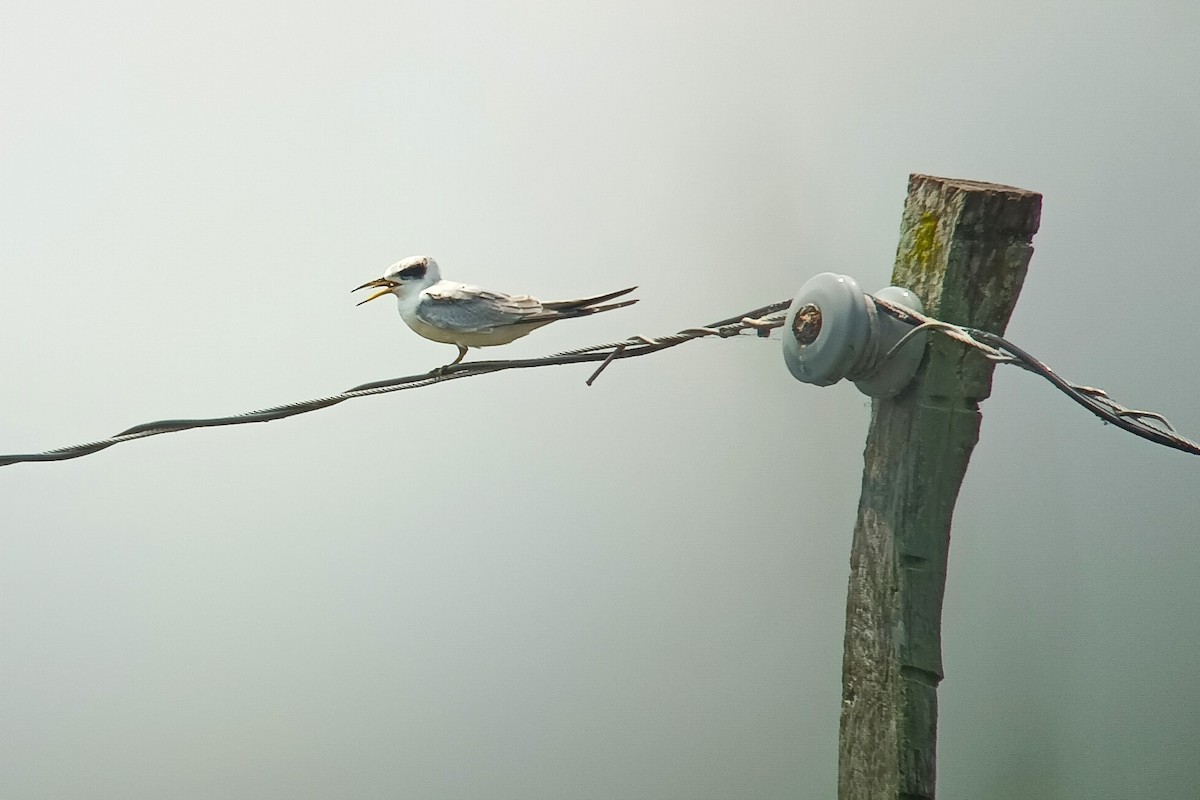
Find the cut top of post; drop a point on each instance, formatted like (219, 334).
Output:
(964, 248)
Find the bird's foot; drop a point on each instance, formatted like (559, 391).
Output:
(440, 372)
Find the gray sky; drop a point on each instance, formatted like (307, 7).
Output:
(517, 586)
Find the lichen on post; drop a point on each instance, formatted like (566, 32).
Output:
(964, 250)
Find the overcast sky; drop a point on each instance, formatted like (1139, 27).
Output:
(517, 586)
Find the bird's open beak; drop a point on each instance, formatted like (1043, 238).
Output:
(384, 282)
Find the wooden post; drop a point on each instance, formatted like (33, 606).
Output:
(964, 249)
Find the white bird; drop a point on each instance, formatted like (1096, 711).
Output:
(468, 316)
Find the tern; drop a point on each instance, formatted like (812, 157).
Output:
(468, 316)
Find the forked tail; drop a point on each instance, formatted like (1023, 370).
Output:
(571, 305)
(565, 309)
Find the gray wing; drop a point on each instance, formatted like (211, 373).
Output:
(471, 309)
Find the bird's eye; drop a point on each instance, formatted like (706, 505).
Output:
(414, 272)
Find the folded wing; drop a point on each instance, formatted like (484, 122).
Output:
(471, 309)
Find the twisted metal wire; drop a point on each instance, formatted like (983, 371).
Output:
(760, 320)
(1149, 425)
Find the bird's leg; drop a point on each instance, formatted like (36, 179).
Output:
(462, 352)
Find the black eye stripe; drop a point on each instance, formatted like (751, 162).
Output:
(408, 273)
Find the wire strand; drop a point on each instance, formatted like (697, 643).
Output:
(998, 349)
(1149, 425)
(756, 320)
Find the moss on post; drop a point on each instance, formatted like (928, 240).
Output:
(964, 249)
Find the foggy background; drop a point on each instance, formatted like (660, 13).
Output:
(517, 586)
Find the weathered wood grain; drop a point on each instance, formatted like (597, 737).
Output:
(964, 249)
